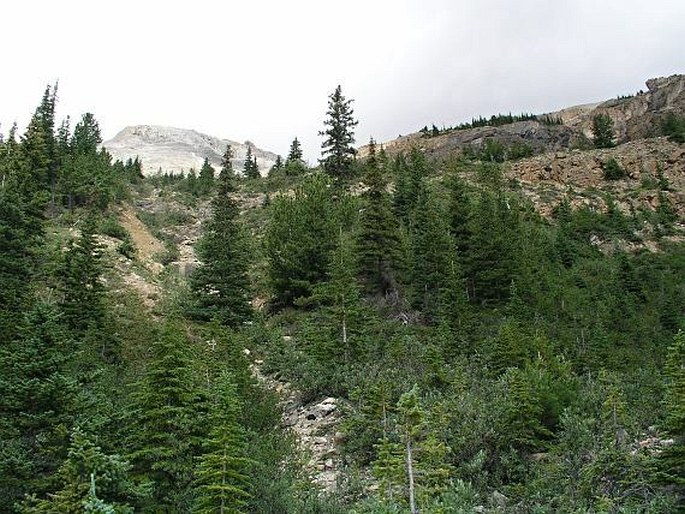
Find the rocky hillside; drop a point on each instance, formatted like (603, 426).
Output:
(175, 150)
(635, 117)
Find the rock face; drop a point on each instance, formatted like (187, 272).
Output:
(175, 150)
(634, 117)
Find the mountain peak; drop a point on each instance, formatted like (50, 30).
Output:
(176, 150)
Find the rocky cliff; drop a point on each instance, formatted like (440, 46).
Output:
(175, 150)
(635, 117)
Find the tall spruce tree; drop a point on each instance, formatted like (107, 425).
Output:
(38, 403)
(226, 172)
(378, 239)
(205, 180)
(432, 254)
(300, 237)
(603, 134)
(294, 165)
(165, 422)
(38, 149)
(250, 168)
(223, 480)
(83, 293)
(220, 285)
(337, 151)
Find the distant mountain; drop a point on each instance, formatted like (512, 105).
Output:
(175, 150)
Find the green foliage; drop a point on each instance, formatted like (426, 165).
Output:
(674, 128)
(205, 181)
(611, 170)
(165, 420)
(220, 285)
(294, 163)
(336, 149)
(603, 133)
(250, 168)
(673, 459)
(378, 239)
(37, 406)
(222, 478)
(300, 236)
(83, 293)
(432, 258)
(91, 482)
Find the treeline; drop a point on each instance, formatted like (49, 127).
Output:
(497, 120)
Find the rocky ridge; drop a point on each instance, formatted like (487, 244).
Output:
(176, 150)
(635, 117)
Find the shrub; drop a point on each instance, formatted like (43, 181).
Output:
(612, 170)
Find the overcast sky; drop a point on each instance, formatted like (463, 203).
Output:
(262, 69)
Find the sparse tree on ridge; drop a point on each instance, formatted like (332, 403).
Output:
(250, 168)
(337, 151)
(603, 133)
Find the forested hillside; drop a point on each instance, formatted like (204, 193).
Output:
(172, 343)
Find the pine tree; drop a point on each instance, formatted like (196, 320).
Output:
(673, 458)
(206, 178)
(300, 237)
(38, 149)
(432, 251)
(220, 285)
(222, 479)
(277, 167)
(603, 134)
(226, 173)
(378, 240)
(337, 150)
(410, 176)
(294, 165)
(250, 168)
(21, 233)
(341, 297)
(39, 401)
(91, 480)
(83, 293)
(165, 421)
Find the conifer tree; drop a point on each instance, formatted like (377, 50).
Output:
(83, 293)
(432, 251)
(220, 285)
(223, 480)
(250, 168)
(294, 165)
(206, 178)
(341, 298)
(603, 134)
(38, 149)
(673, 458)
(410, 176)
(39, 400)
(226, 173)
(300, 236)
(378, 240)
(91, 480)
(337, 150)
(165, 421)
(21, 233)
(277, 167)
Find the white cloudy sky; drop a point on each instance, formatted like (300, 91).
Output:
(262, 69)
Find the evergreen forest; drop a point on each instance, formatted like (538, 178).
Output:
(483, 356)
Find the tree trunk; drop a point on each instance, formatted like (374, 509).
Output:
(410, 475)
